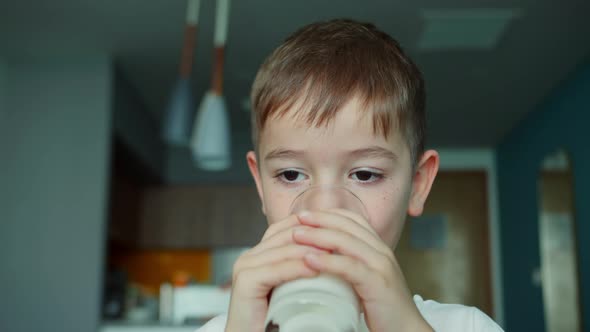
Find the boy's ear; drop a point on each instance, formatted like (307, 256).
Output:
(422, 182)
(253, 166)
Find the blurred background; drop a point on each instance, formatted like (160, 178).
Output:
(107, 226)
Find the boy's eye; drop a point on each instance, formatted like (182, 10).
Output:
(291, 176)
(366, 176)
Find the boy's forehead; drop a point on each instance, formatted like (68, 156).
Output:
(351, 128)
(299, 118)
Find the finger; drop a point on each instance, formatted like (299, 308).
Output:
(273, 256)
(258, 281)
(278, 239)
(367, 281)
(335, 220)
(281, 225)
(345, 244)
(354, 271)
(357, 218)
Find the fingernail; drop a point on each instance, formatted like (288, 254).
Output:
(313, 258)
(298, 232)
(304, 214)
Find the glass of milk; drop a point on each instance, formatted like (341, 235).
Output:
(326, 302)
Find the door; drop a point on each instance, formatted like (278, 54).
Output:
(445, 253)
(559, 270)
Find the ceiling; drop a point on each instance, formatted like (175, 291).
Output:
(475, 95)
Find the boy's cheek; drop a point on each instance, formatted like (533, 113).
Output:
(387, 219)
(276, 206)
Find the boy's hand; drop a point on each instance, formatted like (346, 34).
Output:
(275, 260)
(366, 262)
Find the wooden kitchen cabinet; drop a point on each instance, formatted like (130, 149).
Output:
(125, 200)
(128, 178)
(200, 216)
(237, 218)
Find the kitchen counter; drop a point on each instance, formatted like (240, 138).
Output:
(147, 327)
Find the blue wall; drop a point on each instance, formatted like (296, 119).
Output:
(3, 78)
(562, 120)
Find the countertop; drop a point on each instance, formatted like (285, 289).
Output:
(141, 327)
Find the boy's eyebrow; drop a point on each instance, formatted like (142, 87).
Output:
(374, 152)
(370, 152)
(283, 154)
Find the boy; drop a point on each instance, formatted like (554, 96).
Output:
(340, 104)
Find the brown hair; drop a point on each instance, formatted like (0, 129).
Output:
(327, 63)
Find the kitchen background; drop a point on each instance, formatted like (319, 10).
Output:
(105, 226)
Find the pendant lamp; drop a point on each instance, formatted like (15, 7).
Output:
(210, 141)
(176, 129)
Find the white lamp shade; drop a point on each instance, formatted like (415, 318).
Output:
(177, 120)
(210, 142)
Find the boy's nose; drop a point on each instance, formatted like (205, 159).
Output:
(328, 197)
(323, 199)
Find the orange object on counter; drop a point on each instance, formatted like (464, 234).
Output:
(181, 278)
(150, 268)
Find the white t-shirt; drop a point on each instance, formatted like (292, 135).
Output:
(441, 317)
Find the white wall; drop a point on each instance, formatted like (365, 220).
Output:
(54, 150)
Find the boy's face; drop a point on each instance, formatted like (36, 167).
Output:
(346, 152)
